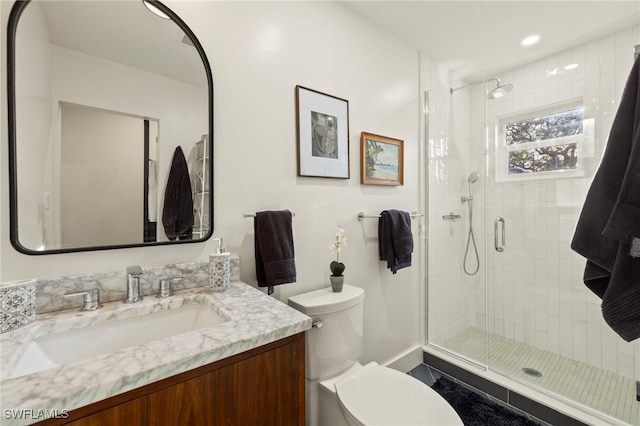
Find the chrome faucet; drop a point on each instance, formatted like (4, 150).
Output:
(133, 284)
(91, 299)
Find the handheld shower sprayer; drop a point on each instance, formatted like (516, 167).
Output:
(473, 177)
(471, 239)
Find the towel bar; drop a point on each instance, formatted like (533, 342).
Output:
(362, 216)
(245, 215)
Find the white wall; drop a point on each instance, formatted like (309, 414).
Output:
(101, 177)
(259, 52)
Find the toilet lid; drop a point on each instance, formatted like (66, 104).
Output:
(376, 395)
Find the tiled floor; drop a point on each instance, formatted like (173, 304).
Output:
(600, 389)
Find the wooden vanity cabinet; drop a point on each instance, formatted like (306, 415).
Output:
(263, 386)
(132, 413)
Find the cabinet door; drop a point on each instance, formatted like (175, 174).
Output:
(200, 401)
(260, 390)
(132, 413)
(267, 388)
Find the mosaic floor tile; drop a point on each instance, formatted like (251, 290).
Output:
(600, 389)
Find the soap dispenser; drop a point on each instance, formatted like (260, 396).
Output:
(219, 269)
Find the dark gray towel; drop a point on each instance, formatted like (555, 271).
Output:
(395, 240)
(275, 256)
(177, 214)
(610, 219)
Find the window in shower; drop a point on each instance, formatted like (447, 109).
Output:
(541, 143)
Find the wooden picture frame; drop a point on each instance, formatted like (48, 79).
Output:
(322, 128)
(381, 160)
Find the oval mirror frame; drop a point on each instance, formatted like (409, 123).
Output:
(16, 11)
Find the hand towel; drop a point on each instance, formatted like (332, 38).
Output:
(395, 240)
(275, 256)
(610, 219)
(177, 213)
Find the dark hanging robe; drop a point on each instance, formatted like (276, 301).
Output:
(177, 215)
(609, 225)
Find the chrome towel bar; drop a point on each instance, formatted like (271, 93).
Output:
(246, 215)
(362, 216)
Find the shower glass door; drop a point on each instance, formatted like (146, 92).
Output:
(456, 272)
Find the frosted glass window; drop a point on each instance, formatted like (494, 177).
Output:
(558, 125)
(541, 142)
(544, 159)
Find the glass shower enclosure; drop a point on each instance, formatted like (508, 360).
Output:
(507, 178)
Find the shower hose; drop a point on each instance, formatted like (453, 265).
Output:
(471, 240)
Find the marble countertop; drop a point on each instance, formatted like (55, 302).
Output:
(255, 319)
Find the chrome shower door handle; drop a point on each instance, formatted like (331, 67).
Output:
(499, 248)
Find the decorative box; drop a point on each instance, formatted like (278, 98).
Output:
(17, 304)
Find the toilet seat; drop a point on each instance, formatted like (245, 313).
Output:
(376, 395)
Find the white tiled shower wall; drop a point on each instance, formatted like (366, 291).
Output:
(534, 289)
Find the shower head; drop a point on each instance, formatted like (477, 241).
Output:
(499, 91)
(471, 179)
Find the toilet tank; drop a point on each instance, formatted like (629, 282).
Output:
(337, 344)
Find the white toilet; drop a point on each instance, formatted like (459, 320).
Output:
(340, 391)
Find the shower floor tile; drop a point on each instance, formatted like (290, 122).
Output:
(600, 389)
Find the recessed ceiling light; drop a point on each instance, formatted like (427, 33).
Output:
(571, 67)
(153, 9)
(531, 40)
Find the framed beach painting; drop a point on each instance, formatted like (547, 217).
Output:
(322, 125)
(381, 160)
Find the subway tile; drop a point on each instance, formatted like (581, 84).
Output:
(578, 55)
(564, 76)
(624, 38)
(625, 364)
(607, 46)
(553, 337)
(610, 355)
(566, 340)
(579, 341)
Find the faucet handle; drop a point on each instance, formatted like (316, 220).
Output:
(91, 299)
(164, 288)
(134, 271)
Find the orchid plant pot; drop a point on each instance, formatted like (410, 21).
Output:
(337, 267)
(337, 282)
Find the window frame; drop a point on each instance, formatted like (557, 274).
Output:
(502, 150)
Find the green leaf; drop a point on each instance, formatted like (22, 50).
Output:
(337, 268)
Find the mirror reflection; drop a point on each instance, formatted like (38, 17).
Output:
(104, 93)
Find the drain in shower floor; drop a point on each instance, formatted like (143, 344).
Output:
(531, 372)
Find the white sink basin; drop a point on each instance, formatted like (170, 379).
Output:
(53, 350)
